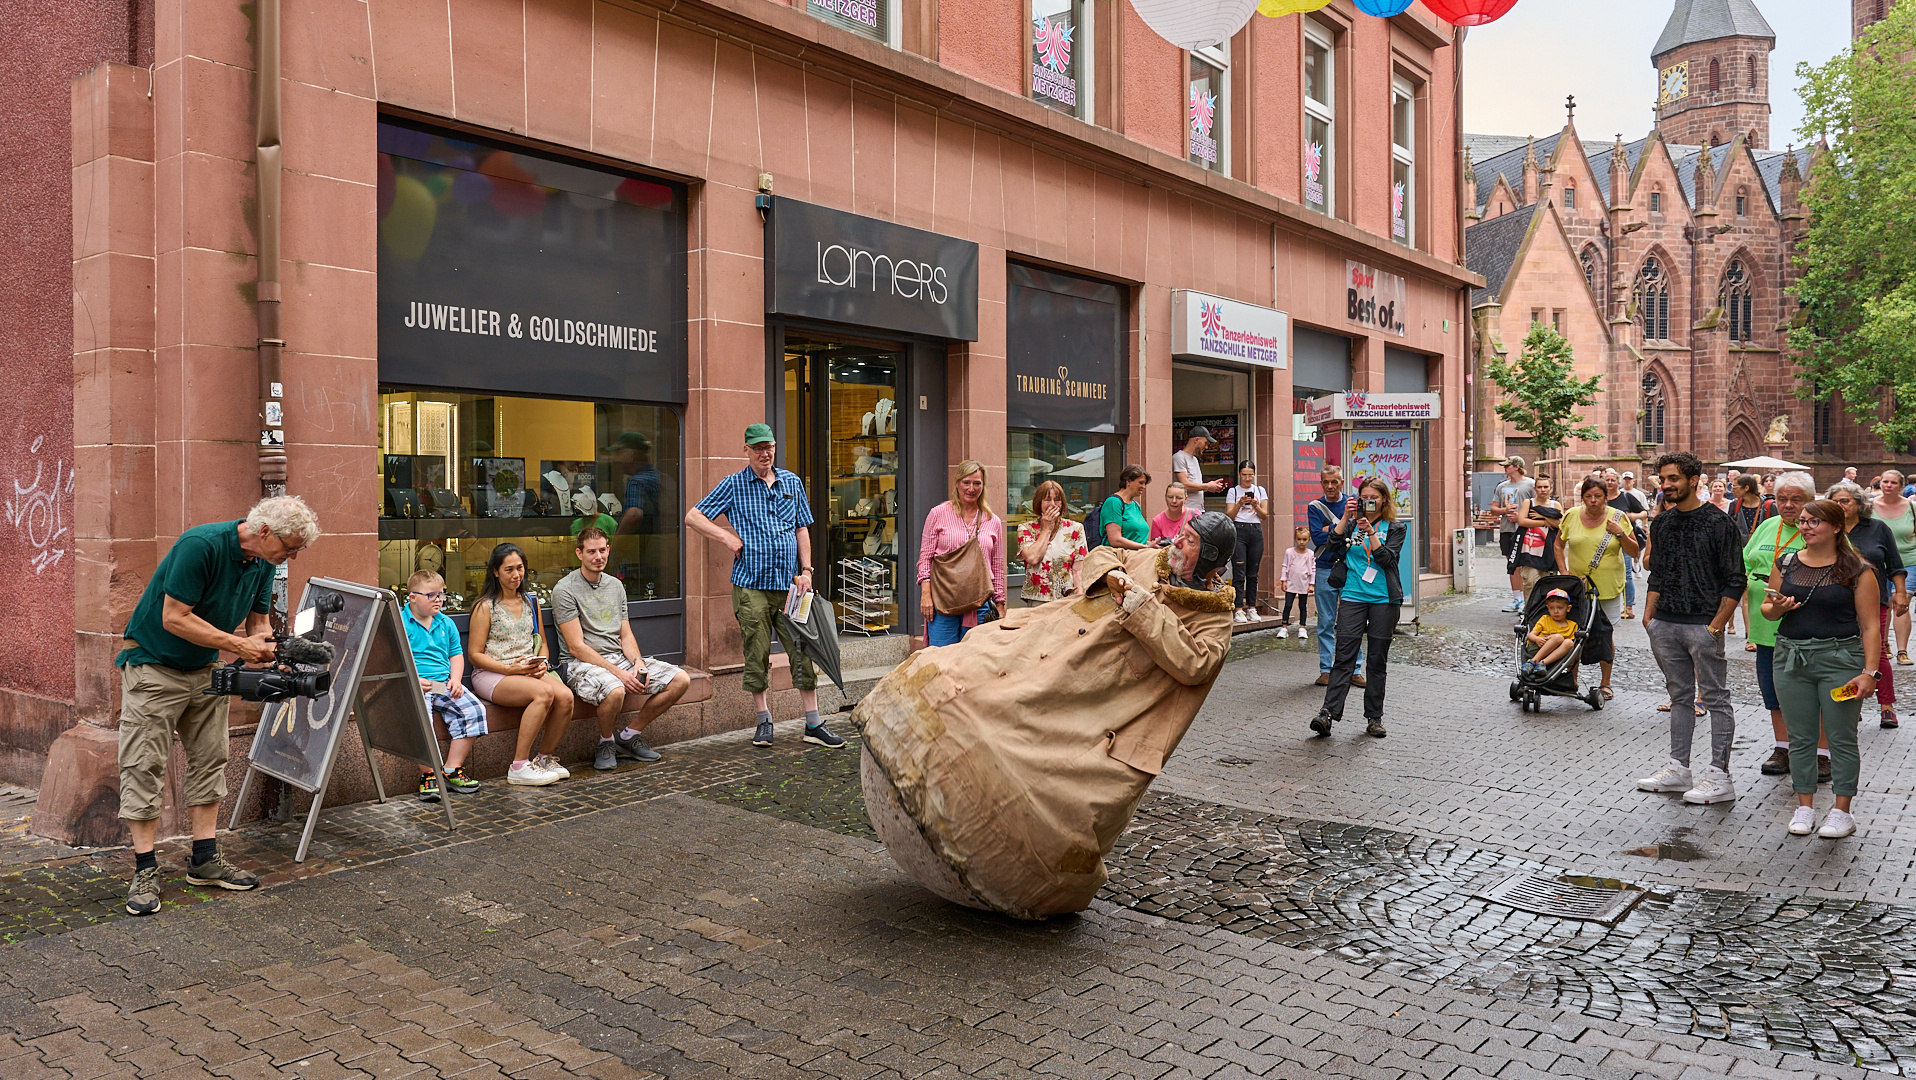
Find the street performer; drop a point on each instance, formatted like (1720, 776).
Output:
(213, 591)
(1000, 770)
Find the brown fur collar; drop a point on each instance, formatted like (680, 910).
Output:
(1224, 598)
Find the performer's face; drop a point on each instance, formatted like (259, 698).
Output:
(1186, 549)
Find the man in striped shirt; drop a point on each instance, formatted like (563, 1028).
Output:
(771, 544)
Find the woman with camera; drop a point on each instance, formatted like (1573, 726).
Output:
(509, 667)
(1249, 505)
(1366, 543)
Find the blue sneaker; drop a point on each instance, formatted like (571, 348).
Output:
(822, 736)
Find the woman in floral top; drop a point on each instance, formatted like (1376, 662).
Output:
(1051, 546)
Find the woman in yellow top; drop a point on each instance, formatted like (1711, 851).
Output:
(1591, 543)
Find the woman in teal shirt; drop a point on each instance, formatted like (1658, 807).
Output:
(1367, 542)
(1122, 515)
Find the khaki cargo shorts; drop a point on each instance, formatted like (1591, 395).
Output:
(155, 702)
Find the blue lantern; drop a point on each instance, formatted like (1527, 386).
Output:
(1383, 9)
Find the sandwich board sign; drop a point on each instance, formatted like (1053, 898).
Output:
(374, 681)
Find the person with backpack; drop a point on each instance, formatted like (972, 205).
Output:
(1121, 521)
(1322, 517)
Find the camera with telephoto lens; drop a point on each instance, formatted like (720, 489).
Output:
(300, 665)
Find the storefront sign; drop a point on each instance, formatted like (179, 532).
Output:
(1373, 298)
(1205, 327)
(1361, 405)
(501, 270)
(827, 264)
(1307, 480)
(1052, 74)
(1065, 362)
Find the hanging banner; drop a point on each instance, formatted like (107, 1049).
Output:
(1373, 298)
(1307, 480)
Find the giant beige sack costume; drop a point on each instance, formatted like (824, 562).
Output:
(1000, 770)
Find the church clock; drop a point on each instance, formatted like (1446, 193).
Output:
(1673, 83)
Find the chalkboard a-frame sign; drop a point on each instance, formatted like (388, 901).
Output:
(373, 679)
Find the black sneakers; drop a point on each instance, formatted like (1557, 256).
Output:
(823, 736)
(1321, 724)
(1778, 762)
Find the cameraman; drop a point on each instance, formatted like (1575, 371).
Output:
(216, 577)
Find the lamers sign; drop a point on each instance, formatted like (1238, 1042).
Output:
(846, 268)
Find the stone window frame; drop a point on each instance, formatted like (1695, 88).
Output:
(1737, 297)
(1650, 292)
(1218, 58)
(1084, 55)
(1404, 91)
(1652, 426)
(1591, 259)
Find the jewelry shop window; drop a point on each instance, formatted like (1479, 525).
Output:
(461, 473)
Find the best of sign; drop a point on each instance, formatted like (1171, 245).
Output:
(1374, 298)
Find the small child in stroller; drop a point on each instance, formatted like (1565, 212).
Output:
(1554, 634)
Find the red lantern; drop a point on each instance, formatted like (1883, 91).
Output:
(1469, 12)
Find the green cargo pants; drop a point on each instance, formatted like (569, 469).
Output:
(1806, 672)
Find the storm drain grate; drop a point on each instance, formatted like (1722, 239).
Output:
(1564, 899)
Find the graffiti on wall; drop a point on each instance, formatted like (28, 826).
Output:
(36, 510)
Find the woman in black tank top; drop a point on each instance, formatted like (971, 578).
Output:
(1828, 646)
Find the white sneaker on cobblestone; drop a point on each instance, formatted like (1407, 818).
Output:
(1283, 632)
(551, 765)
(1803, 822)
(531, 774)
(1712, 786)
(1674, 776)
(1838, 824)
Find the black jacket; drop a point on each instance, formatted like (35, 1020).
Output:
(1385, 558)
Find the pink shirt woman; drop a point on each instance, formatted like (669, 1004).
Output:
(946, 530)
(1167, 525)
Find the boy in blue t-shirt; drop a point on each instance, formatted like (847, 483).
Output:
(441, 661)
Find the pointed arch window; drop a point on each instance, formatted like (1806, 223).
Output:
(1652, 297)
(1654, 408)
(1737, 299)
(1591, 268)
(1749, 63)
(1822, 416)
(1716, 77)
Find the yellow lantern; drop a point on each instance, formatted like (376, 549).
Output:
(1277, 9)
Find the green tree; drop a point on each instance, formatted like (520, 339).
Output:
(1857, 337)
(1544, 397)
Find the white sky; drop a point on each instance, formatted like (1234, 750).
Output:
(1518, 69)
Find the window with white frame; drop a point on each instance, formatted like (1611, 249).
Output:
(874, 19)
(1320, 117)
(1207, 107)
(1061, 55)
(1403, 161)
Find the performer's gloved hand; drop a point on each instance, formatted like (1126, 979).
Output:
(1130, 595)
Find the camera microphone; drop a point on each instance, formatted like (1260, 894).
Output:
(304, 650)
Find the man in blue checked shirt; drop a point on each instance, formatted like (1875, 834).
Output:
(771, 544)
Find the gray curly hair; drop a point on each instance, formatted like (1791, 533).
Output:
(1864, 500)
(1801, 481)
(285, 516)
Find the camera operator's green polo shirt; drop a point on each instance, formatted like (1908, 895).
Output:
(207, 571)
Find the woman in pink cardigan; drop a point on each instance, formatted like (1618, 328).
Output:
(947, 528)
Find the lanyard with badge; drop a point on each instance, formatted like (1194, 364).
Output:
(1369, 544)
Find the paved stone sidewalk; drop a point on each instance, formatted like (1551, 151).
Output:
(687, 939)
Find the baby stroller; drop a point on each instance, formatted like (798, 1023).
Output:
(1560, 678)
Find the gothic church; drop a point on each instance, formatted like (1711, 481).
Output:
(1666, 262)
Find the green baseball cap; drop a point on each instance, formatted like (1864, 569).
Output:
(759, 433)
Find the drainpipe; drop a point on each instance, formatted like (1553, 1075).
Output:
(266, 157)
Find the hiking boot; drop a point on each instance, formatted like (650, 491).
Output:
(217, 872)
(428, 788)
(460, 783)
(634, 748)
(1321, 724)
(606, 756)
(1374, 728)
(762, 736)
(143, 896)
(1358, 681)
(1778, 762)
(822, 736)
(1323, 679)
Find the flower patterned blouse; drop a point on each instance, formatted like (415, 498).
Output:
(1050, 577)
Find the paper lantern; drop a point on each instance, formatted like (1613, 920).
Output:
(1383, 9)
(1194, 24)
(1469, 12)
(1277, 9)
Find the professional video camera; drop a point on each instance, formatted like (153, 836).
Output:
(300, 667)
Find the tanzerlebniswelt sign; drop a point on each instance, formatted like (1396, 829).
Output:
(1206, 327)
(1362, 405)
(1375, 299)
(827, 264)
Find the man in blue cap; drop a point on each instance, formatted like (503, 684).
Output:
(771, 544)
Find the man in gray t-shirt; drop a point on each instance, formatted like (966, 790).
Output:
(1511, 495)
(1186, 469)
(603, 665)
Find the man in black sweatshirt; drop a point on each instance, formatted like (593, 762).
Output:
(1696, 581)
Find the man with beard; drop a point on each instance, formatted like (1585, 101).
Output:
(1000, 770)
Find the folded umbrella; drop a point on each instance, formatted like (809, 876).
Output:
(817, 637)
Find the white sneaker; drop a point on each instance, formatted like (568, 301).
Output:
(551, 765)
(1283, 631)
(1803, 822)
(1674, 776)
(530, 775)
(1712, 786)
(1838, 824)
(1238, 616)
